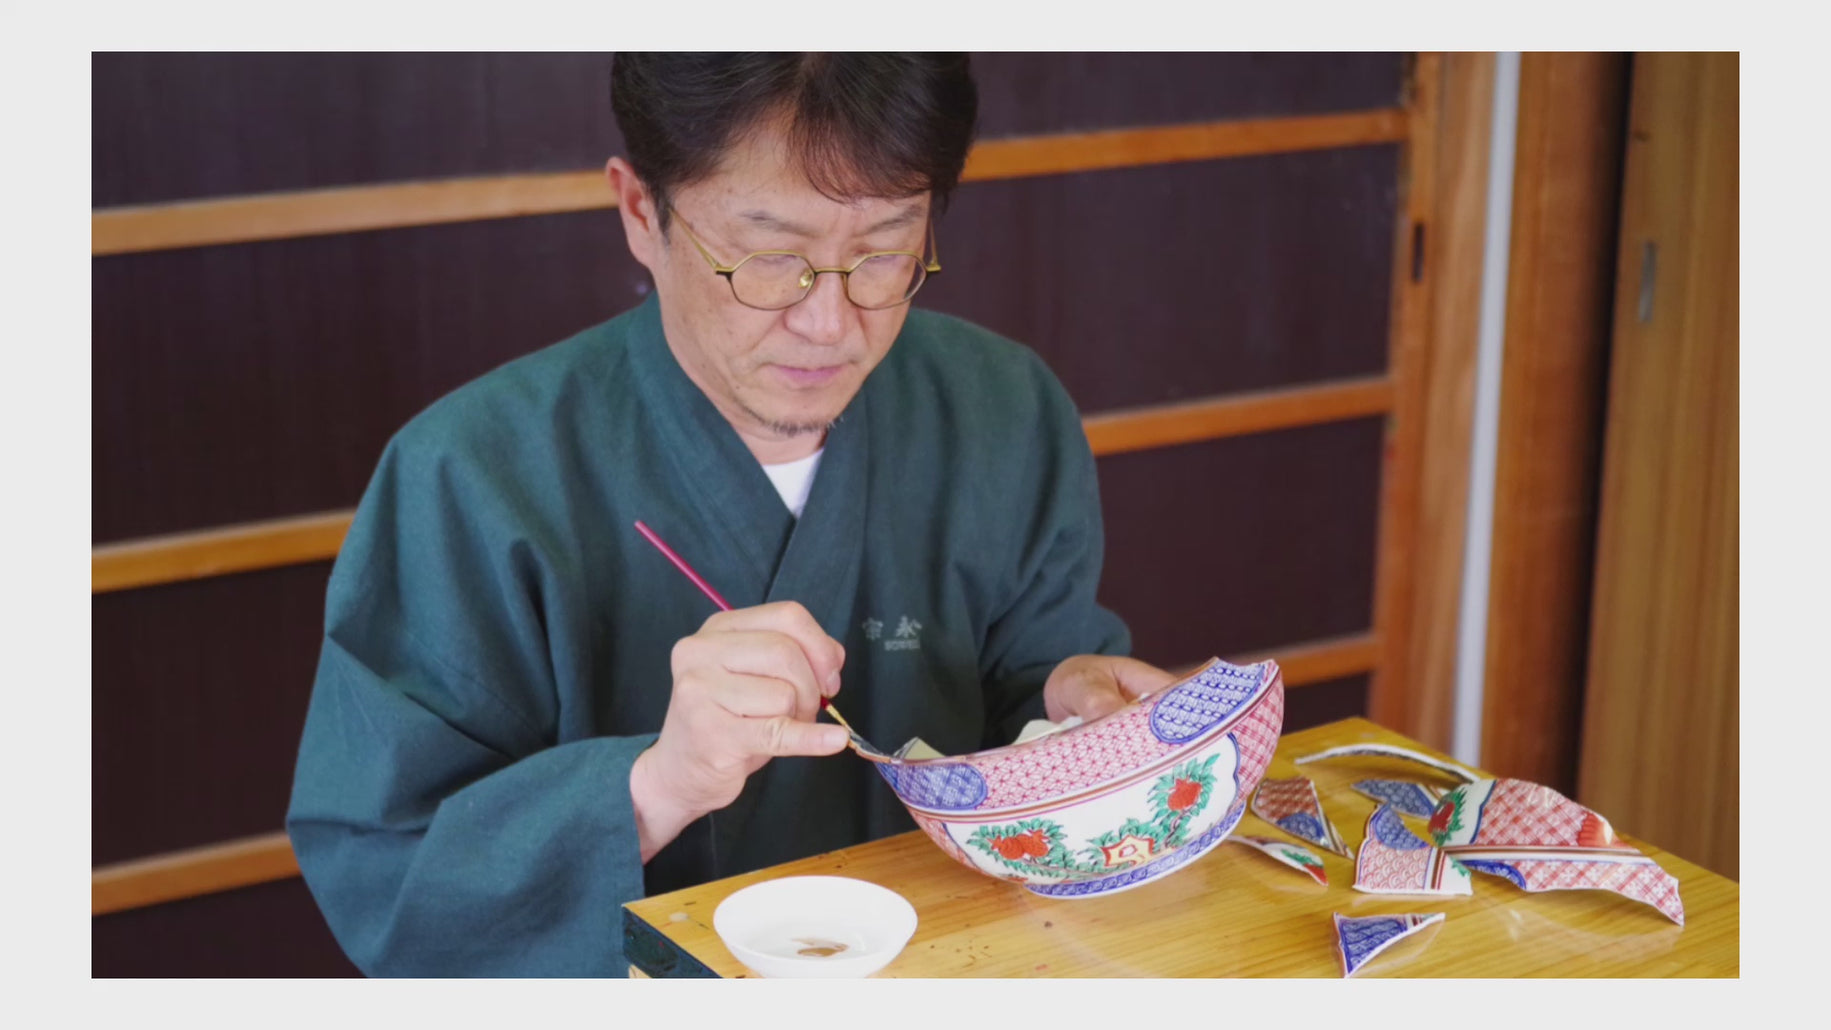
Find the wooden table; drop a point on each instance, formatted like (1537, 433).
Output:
(1233, 912)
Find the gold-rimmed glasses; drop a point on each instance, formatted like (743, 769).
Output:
(771, 280)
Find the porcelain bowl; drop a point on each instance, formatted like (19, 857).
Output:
(1110, 804)
(815, 926)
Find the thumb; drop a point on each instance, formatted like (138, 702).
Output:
(784, 735)
(1138, 679)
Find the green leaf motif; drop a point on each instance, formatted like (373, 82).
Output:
(1019, 842)
(1301, 858)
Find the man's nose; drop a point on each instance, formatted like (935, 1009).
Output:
(822, 315)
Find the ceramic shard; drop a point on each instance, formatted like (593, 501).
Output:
(1361, 939)
(1394, 860)
(1293, 806)
(1417, 799)
(1299, 858)
(1392, 751)
(1543, 841)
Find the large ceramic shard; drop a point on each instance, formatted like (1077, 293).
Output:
(1394, 860)
(1419, 799)
(1543, 841)
(1293, 806)
(1392, 751)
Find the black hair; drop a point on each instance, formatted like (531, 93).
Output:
(859, 125)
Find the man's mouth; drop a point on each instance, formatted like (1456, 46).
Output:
(818, 376)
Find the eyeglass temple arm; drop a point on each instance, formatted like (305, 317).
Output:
(717, 266)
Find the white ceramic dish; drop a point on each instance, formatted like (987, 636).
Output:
(815, 926)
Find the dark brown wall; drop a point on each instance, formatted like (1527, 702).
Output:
(262, 380)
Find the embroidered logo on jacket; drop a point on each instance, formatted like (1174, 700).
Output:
(906, 637)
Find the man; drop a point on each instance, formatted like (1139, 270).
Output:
(525, 716)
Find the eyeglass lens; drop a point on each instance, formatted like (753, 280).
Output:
(773, 281)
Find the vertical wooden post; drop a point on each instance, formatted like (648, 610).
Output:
(1660, 747)
(1436, 307)
(1566, 189)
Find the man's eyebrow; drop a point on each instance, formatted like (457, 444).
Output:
(764, 220)
(908, 216)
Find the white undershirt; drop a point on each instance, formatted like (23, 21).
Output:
(793, 480)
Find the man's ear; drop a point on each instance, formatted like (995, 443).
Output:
(636, 206)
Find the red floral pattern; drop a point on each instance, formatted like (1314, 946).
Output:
(1184, 794)
(1020, 846)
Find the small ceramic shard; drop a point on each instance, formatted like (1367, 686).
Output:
(1394, 860)
(1299, 858)
(1392, 751)
(1043, 727)
(917, 749)
(1410, 798)
(1543, 841)
(1293, 806)
(1360, 940)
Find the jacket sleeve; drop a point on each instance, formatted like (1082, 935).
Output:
(1052, 613)
(439, 821)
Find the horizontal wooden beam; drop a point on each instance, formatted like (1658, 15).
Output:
(1208, 141)
(217, 552)
(307, 538)
(1166, 425)
(273, 216)
(190, 873)
(241, 863)
(277, 216)
(1321, 660)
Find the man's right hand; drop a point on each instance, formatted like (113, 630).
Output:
(747, 687)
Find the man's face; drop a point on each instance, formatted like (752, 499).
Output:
(779, 377)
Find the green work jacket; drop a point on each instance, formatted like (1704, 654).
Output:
(497, 634)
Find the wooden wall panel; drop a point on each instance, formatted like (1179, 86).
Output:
(1147, 285)
(1239, 545)
(179, 126)
(1661, 740)
(1317, 703)
(199, 693)
(1025, 93)
(262, 380)
(1437, 295)
(1554, 382)
(269, 930)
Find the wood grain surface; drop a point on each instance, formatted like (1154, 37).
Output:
(1554, 374)
(184, 874)
(217, 552)
(1456, 224)
(1661, 738)
(1236, 913)
(1214, 418)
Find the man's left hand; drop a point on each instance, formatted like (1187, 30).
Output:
(1092, 685)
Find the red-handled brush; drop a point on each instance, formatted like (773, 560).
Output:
(859, 743)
